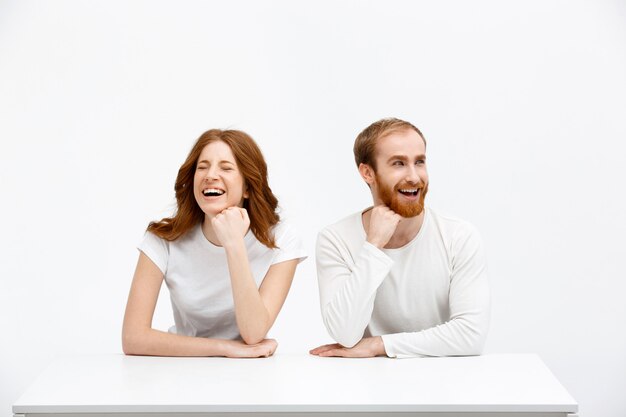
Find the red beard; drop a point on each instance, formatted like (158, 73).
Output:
(406, 209)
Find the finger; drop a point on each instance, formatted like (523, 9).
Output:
(266, 348)
(266, 351)
(228, 212)
(318, 349)
(324, 348)
(255, 351)
(244, 214)
(273, 344)
(341, 353)
(390, 214)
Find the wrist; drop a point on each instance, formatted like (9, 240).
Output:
(234, 245)
(217, 347)
(379, 346)
(376, 243)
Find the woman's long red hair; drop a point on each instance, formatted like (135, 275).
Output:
(261, 203)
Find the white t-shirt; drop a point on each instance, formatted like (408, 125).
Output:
(196, 274)
(427, 298)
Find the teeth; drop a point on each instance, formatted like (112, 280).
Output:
(212, 191)
(407, 191)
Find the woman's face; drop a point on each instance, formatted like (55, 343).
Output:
(217, 183)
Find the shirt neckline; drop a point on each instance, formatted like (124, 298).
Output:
(401, 248)
(206, 243)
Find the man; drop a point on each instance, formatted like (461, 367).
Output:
(400, 279)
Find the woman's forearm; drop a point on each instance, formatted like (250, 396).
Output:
(151, 342)
(251, 314)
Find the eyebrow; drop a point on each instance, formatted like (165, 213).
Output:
(204, 161)
(404, 157)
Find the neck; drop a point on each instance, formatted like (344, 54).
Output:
(405, 232)
(209, 233)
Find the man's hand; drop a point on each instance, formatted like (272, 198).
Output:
(231, 225)
(383, 223)
(238, 349)
(368, 347)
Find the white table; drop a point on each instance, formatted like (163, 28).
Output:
(296, 385)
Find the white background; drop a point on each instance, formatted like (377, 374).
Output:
(523, 106)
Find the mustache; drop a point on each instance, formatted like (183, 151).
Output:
(408, 184)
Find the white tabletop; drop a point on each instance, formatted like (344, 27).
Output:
(295, 383)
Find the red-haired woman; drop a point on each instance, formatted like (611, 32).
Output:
(227, 259)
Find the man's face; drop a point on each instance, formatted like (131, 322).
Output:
(401, 179)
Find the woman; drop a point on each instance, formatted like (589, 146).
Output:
(226, 258)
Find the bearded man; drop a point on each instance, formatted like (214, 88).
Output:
(399, 279)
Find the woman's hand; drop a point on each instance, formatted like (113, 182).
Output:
(231, 225)
(238, 349)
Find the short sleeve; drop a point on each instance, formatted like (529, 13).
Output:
(289, 244)
(156, 249)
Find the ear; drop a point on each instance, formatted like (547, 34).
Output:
(367, 173)
(245, 192)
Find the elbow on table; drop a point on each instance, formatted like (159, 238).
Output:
(474, 348)
(132, 343)
(347, 338)
(252, 335)
(342, 334)
(128, 347)
(348, 342)
(250, 339)
(473, 341)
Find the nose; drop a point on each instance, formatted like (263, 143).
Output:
(211, 174)
(412, 175)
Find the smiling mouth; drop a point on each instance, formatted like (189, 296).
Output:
(212, 192)
(409, 192)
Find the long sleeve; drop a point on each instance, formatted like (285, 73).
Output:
(348, 286)
(466, 331)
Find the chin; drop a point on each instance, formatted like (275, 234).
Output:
(409, 212)
(211, 211)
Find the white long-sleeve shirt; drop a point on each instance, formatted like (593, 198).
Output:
(427, 298)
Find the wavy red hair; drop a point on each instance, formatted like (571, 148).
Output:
(261, 203)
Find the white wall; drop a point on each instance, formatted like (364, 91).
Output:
(523, 105)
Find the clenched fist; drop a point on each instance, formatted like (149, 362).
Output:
(383, 223)
(231, 225)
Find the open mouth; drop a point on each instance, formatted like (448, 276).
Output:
(212, 192)
(409, 192)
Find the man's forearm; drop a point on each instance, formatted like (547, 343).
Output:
(348, 299)
(461, 336)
